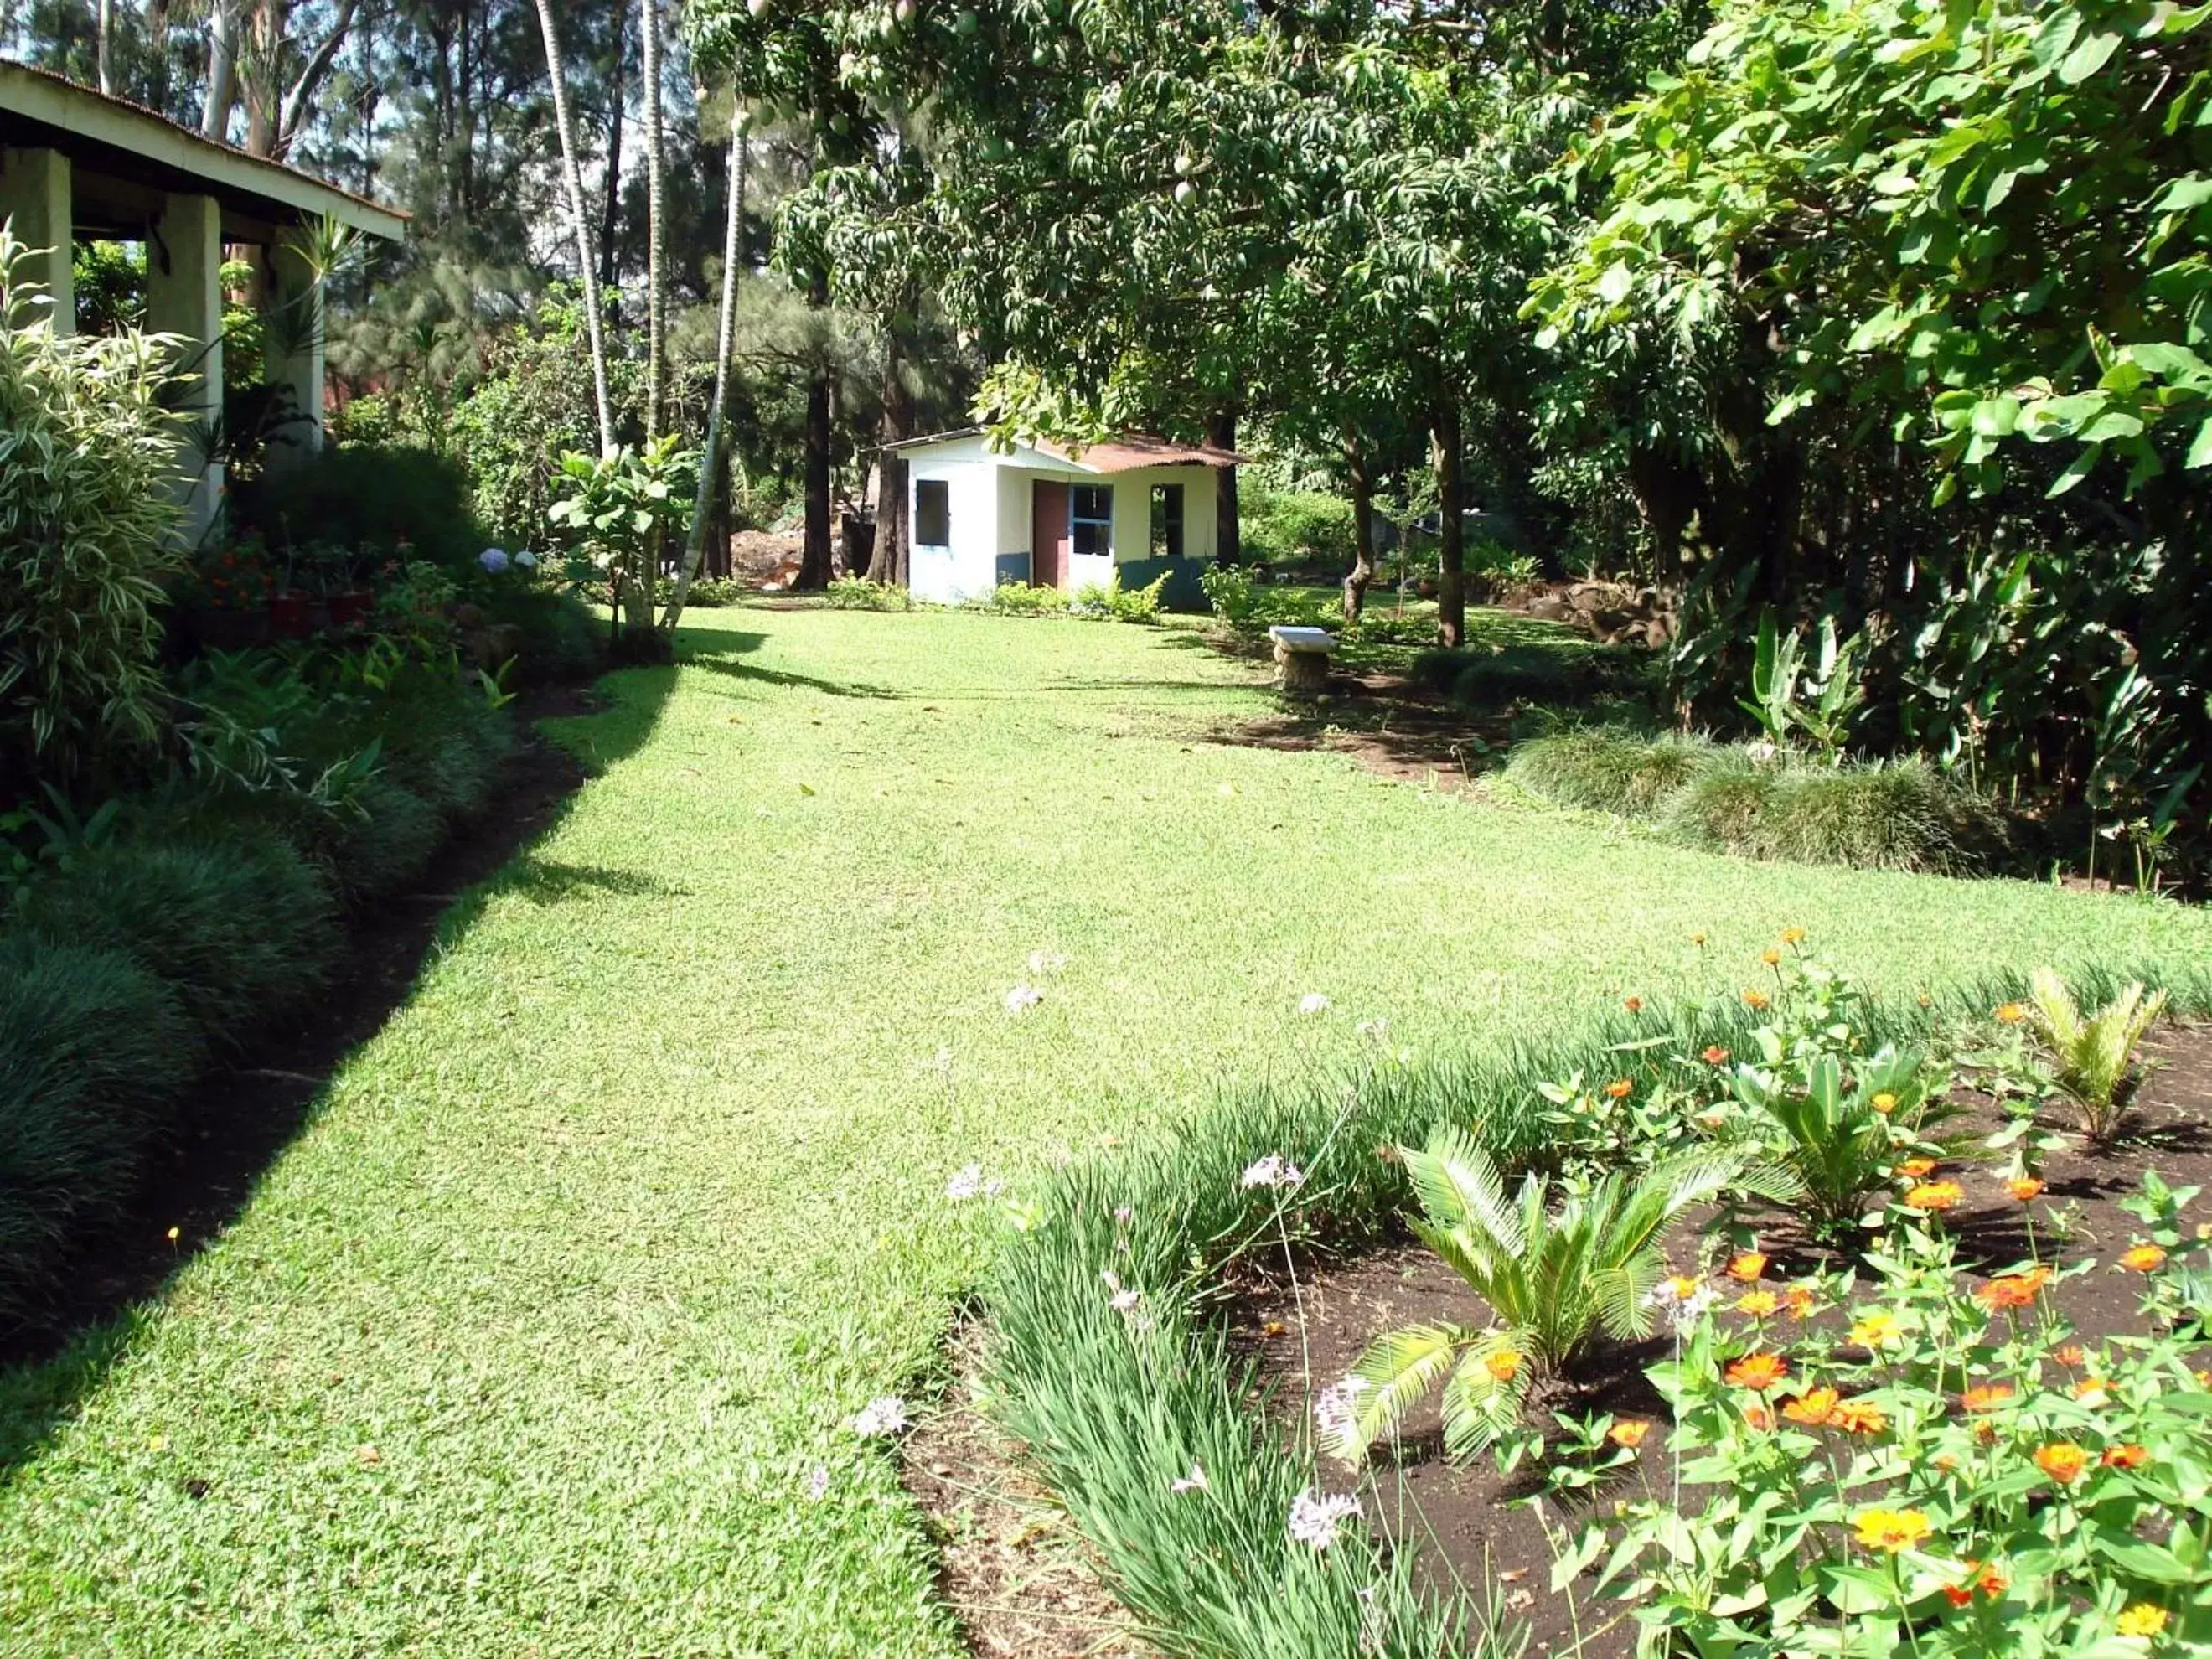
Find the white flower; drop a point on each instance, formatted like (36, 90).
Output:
(1760, 753)
(966, 1183)
(1022, 998)
(1047, 961)
(1121, 1214)
(493, 559)
(1377, 1029)
(1684, 1311)
(1315, 1517)
(1313, 1002)
(1273, 1171)
(882, 1417)
(1194, 1481)
(1336, 1410)
(1124, 1300)
(817, 1484)
(528, 561)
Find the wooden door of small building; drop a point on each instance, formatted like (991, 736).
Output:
(1051, 541)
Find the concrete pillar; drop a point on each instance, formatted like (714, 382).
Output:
(292, 333)
(184, 297)
(34, 197)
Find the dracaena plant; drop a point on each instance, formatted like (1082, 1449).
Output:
(2093, 1055)
(1555, 1270)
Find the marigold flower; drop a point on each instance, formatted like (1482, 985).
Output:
(1793, 936)
(1986, 1396)
(1856, 1417)
(1885, 1102)
(2013, 1290)
(1620, 1088)
(2011, 1013)
(1946, 1462)
(2022, 1188)
(1505, 1365)
(2143, 1258)
(1715, 1055)
(2062, 1461)
(1798, 1301)
(1811, 1408)
(1890, 1530)
(1748, 1268)
(1934, 1197)
(1760, 1304)
(1875, 1329)
(2125, 1456)
(2072, 1354)
(1758, 1371)
(1914, 1168)
(2142, 1619)
(1629, 1433)
(1755, 999)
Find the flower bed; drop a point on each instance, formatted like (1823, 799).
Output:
(1136, 1402)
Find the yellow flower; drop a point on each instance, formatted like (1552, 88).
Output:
(1505, 1365)
(2143, 1259)
(1760, 1304)
(2023, 1188)
(1885, 1102)
(1875, 1329)
(1934, 1195)
(1755, 999)
(1890, 1530)
(2062, 1461)
(1771, 956)
(2143, 1619)
(2011, 1013)
(1793, 935)
(1629, 1433)
(1749, 1268)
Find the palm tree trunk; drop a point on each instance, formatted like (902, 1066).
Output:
(725, 340)
(612, 204)
(564, 117)
(656, 264)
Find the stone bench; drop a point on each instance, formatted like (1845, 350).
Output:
(1302, 658)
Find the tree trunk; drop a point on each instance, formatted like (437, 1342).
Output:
(725, 336)
(1221, 433)
(101, 53)
(814, 552)
(888, 561)
(656, 264)
(564, 117)
(1363, 525)
(1451, 579)
(612, 206)
(222, 70)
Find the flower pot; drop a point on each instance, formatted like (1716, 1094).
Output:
(288, 615)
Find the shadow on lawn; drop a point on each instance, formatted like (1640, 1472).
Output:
(242, 1115)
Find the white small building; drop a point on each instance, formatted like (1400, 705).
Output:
(1132, 509)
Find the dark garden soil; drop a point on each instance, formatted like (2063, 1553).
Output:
(242, 1113)
(1462, 1520)
(1011, 1565)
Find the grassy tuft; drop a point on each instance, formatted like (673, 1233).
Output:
(381, 853)
(1609, 770)
(1897, 816)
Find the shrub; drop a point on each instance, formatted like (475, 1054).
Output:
(86, 457)
(238, 927)
(715, 593)
(1609, 769)
(92, 1050)
(1115, 603)
(374, 498)
(1296, 526)
(1020, 600)
(859, 593)
(561, 640)
(2094, 1052)
(386, 844)
(1900, 815)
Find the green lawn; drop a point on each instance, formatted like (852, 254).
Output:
(532, 1343)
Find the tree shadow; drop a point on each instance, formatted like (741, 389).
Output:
(778, 677)
(233, 1124)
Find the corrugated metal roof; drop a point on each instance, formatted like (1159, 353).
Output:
(1123, 453)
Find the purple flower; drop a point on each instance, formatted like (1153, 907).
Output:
(493, 559)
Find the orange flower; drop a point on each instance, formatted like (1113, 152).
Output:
(1812, 1408)
(1760, 1304)
(1934, 1196)
(2021, 1189)
(1629, 1433)
(2143, 1259)
(1914, 1168)
(1884, 1103)
(2072, 1354)
(2093, 1391)
(1771, 956)
(1793, 935)
(1758, 1371)
(1991, 1582)
(1755, 999)
(2013, 1290)
(1957, 1594)
(2125, 1456)
(1757, 1416)
(1634, 1004)
(2142, 1619)
(1505, 1365)
(1749, 1268)
(1716, 1055)
(1620, 1088)
(1798, 1301)
(1986, 1396)
(1946, 1462)
(2062, 1461)
(1853, 1417)
(1890, 1530)
(1697, 937)
(2011, 1013)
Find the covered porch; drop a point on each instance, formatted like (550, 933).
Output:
(75, 164)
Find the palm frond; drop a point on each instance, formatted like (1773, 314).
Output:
(1400, 1367)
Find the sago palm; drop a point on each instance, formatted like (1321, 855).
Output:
(2093, 1052)
(1553, 1275)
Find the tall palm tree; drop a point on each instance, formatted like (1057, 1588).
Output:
(564, 118)
(656, 267)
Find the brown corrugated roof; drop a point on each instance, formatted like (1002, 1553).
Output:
(1123, 453)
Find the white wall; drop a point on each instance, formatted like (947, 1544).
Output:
(1133, 511)
(969, 565)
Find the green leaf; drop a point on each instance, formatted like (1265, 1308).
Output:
(1613, 287)
(2089, 55)
(2200, 447)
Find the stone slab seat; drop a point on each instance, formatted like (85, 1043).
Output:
(1302, 655)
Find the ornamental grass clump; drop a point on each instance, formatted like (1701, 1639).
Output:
(2093, 1055)
(1607, 769)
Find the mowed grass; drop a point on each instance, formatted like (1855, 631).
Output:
(534, 1341)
